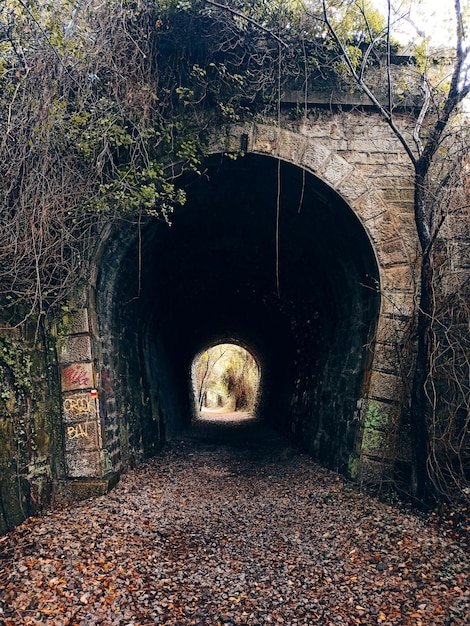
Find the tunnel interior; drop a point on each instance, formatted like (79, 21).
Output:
(262, 254)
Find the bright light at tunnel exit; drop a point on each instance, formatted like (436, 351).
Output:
(226, 382)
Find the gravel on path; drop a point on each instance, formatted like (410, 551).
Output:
(236, 529)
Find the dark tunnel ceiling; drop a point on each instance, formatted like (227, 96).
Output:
(213, 272)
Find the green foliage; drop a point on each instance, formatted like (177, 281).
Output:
(353, 466)
(139, 189)
(375, 416)
(15, 371)
(226, 376)
(375, 422)
(358, 22)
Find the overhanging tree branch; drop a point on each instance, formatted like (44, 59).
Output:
(359, 79)
(225, 7)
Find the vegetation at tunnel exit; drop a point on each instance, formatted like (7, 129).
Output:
(226, 378)
(104, 104)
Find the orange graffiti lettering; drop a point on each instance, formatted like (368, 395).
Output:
(77, 431)
(77, 405)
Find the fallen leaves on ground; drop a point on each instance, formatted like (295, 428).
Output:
(210, 534)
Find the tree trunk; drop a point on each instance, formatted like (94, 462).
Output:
(420, 404)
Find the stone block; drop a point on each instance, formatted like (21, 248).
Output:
(404, 214)
(321, 129)
(384, 226)
(314, 156)
(386, 358)
(398, 194)
(397, 302)
(372, 160)
(377, 415)
(384, 179)
(375, 132)
(78, 406)
(335, 169)
(390, 329)
(81, 436)
(265, 139)
(217, 144)
(76, 321)
(368, 206)
(74, 348)
(398, 277)
(291, 146)
(353, 187)
(87, 464)
(68, 491)
(77, 376)
(391, 252)
(385, 386)
(233, 139)
(380, 144)
(405, 217)
(373, 441)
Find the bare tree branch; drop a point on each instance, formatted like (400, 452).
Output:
(225, 7)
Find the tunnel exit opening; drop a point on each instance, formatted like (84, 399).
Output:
(225, 381)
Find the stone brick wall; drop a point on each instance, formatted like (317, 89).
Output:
(79, 440)
(30, 428)
(357, 156)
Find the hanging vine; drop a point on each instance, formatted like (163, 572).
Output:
(97, 99)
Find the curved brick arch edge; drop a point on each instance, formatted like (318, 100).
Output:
(380, 407)
(87, 459)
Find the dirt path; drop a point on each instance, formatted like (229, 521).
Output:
(223, 529)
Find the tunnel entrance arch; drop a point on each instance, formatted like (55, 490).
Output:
(271, 254)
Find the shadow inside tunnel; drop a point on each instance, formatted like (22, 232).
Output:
(236, 430)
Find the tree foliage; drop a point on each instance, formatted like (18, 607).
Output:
(79, 143)
(226, 377)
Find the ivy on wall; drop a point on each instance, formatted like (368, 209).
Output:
(100, 100)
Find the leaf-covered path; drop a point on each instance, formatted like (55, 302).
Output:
(242, 531)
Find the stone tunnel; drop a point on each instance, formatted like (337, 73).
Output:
(271, 251)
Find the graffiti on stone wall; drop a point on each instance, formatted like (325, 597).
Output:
(77, 405)
(78, 431)
(77, 376)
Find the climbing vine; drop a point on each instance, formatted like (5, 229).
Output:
(103, 104)
(15, 371)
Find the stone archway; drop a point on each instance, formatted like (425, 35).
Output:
(317, 391)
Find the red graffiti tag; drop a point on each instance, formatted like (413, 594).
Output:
(76, 376)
